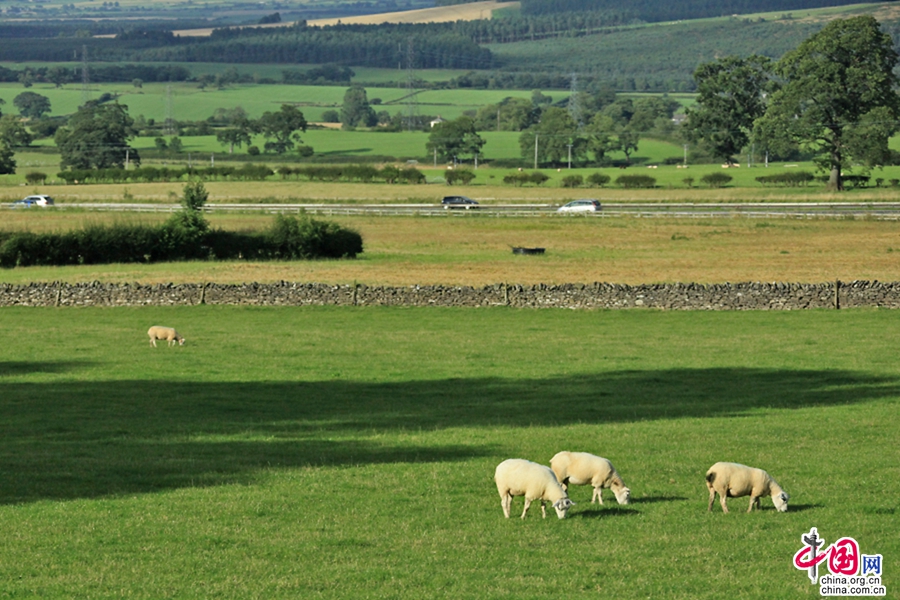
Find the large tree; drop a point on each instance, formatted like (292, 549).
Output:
(455, 139)
(32, 105)
(355, 111)
(731, 96)
(837, 97)
(97, 137)
(557, 134)
(282, 126)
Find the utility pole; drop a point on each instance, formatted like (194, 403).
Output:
(570, 155)
(412, 102)
(85, 77)
(685, 155)
(535, 150)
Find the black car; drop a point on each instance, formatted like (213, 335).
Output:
(458, 202)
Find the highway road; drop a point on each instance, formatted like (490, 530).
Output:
(855, 210)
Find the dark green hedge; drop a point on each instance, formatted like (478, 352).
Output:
(289, 238)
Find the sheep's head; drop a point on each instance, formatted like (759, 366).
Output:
(623, 495)
(181, 341)
(781, 501)
(562, 507)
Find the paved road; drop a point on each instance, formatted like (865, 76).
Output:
(858, 210)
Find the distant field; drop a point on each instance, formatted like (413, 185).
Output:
(440, 14)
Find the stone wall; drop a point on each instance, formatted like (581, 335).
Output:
(675, 296)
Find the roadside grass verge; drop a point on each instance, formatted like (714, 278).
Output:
(321, 452)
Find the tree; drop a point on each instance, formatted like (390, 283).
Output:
(7, 162)
(282, 126)
(32, 105)
(731, 98)
(355, 111)
(628, 141)
(600, 133)
(96, 137)
(556, 132)
(838, 96)
(454, 139)
(13, 133)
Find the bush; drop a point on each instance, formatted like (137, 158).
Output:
(789, 179)
(598, 179)
(463, 176)
(537, 177)
(716, 180)
(688, 182)
(516, 179)
(572, 181)
(636, 181)
(253, 150)
(35, 177)
(179, 239)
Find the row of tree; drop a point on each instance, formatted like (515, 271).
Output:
(834, 95)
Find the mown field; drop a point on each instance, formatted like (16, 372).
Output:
(348, 453)
(473, 250)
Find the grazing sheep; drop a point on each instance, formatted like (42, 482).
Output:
(734, 480)
(581, 468)
(519, 477)
(164, 333)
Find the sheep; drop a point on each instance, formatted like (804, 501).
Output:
(581, 468)
(164, 333)
(519, 477)
(734, 480)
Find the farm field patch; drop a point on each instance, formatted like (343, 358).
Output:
(320, 451)
(477, 251)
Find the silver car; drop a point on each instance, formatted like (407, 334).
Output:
(577, 206)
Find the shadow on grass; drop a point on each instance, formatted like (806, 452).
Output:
(602, 513)
(13, 368)
(654, 499)
(78, 439)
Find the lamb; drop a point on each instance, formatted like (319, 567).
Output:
(734, 480)
(164, 333)
(519, 477)
(581, 468)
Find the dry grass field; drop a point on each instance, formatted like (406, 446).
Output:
(440, 14)
(476, 250)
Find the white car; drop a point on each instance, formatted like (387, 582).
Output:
(577, 206)
(36, 200)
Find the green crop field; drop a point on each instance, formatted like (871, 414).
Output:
(349, 453)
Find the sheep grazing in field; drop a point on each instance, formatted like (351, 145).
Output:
(164, 333)
(734, 480)
(581, 468)
(519, 477)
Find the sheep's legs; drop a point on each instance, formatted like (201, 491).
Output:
(506, 504)
(527, 504)
(753, 500)
(597, 495)
(722, 498)
(543, 510)
(712, 498)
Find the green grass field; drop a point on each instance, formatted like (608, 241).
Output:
(349, 453)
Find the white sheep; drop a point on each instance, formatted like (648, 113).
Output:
(734, 480)
(581, 468)
(519, 477)
(164, 333)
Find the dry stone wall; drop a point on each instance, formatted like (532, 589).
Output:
(675, 296)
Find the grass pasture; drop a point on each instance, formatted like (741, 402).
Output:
(339, 453)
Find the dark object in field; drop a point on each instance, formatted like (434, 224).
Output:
(520, 250)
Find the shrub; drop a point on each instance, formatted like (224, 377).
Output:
(516, 179)
(253, 150)
(538, 177)
(688, 181)
(463, 176)
(598, 179)
(35, 177)
(572, 181)
(412, 175)
(636, 181)
(716, 180)
(790, 178)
